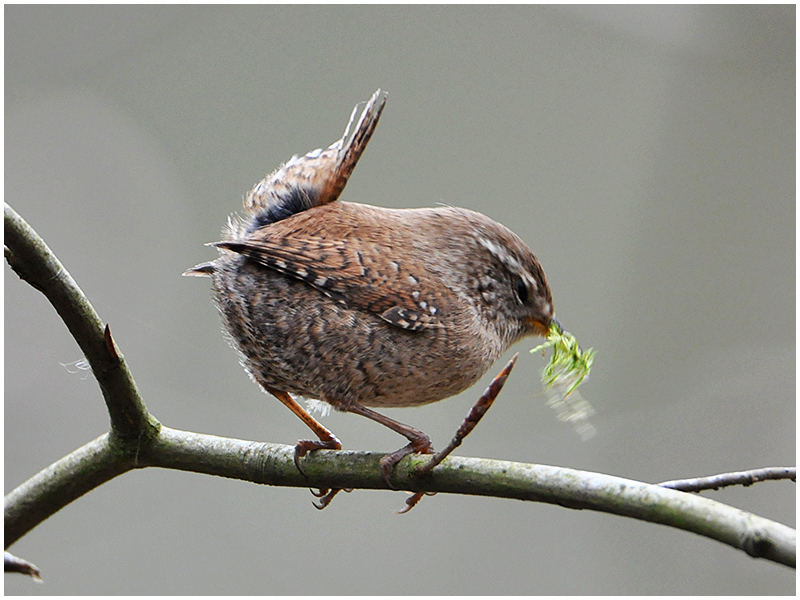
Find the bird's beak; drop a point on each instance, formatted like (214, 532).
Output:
(557, 324)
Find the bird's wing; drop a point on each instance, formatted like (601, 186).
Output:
(356, 273)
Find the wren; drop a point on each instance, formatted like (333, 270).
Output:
(361, 306)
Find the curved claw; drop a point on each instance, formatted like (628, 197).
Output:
(326, 496)
(303, 447)
(412, 501)
(325, 499)
(421, 445)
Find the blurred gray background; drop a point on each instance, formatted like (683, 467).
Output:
(646, 154)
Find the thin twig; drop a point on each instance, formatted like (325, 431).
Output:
(745, 478)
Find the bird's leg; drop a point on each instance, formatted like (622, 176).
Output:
(475, 414)
(481, 406)
(420, 442)
(327, 441)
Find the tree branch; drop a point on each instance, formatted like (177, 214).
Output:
(137, 440)
(65, 480)
(273, 464)
(32, 260)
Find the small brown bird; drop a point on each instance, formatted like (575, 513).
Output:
(361, 306)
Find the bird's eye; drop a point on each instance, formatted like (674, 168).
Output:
(522, 290)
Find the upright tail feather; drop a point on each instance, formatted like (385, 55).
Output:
(316, 178)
